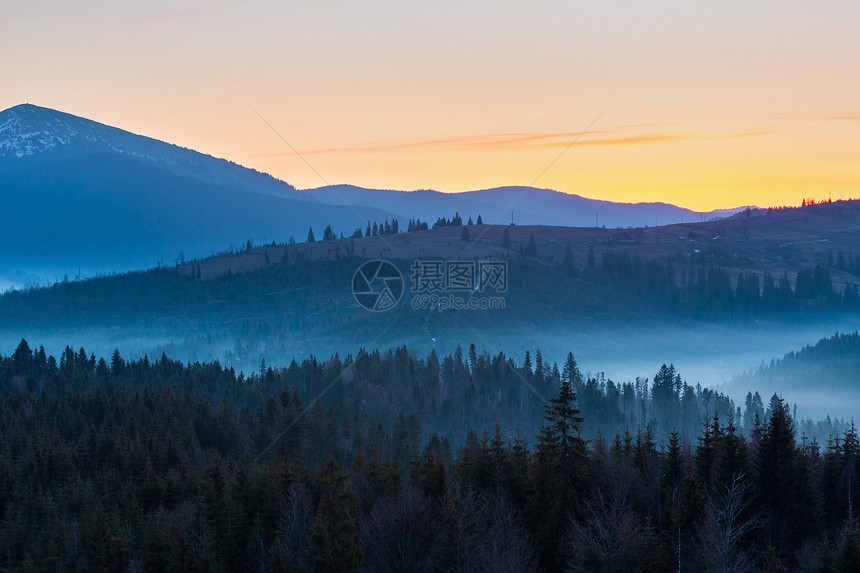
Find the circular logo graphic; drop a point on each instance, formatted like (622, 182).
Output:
(377, 285)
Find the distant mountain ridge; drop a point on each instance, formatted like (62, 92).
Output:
(79, 194)
(32, 136)
(525, 205)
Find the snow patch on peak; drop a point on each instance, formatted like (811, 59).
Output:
(26, 131)
(32, 135)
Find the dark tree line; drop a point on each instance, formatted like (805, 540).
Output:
(416, 225)
(384, 228)
(702, 289)
(845, 262)
(393, 227)
(455, 221)
(373, 230)
(137, 465)
(832, 363)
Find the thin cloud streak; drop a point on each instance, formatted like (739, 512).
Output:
(838, 116)
(522, 141)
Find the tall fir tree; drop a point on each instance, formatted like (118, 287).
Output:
(559, 474)
(780, 468)
(531, 247)
(567, 261)
(333, 542)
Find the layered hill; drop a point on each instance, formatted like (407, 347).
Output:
(667, 294)
(80, 194)
(821, 376)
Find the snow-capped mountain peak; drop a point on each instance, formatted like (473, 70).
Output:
(32, 136)
(24, 133)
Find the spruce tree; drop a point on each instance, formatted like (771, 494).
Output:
(733, 460)
(571, 371)
(707, 453)
(780, 468)
(531, 248)
(691, 507)
(671, 477)
(498, 456)
(333, 542)
(850, 463)
(116, 362)
(559, 474)
(539, 375)
(506, 240)
(516, 473)
(567, 261)
(830, 484)
(848, 548)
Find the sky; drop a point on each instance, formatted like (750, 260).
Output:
(701, 104)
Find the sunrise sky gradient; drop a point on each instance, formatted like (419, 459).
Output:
(705, 104)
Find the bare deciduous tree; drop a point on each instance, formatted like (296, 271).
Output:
(719, 545)
(295, 526)
(398, 533)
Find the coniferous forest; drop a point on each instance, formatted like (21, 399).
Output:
(373, 462)
(440, 287)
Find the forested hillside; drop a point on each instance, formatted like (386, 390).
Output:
(159, 466)
(294, 306)
(833, 363)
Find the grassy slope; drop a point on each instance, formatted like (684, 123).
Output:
(753, 244)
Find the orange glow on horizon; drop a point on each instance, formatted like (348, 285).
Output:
(707, 106)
